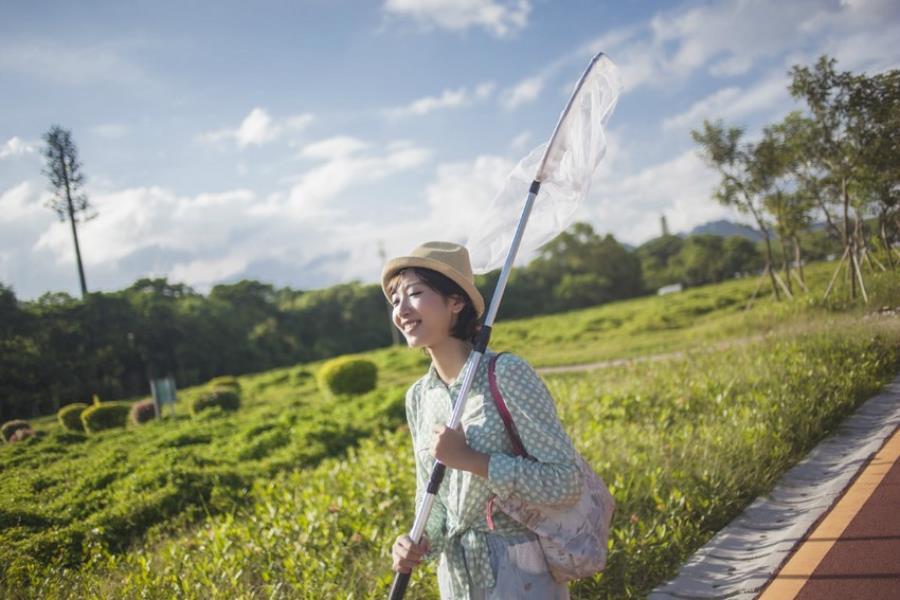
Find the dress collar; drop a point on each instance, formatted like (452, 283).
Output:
(432, 379)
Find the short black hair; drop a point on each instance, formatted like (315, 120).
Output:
(467, 322)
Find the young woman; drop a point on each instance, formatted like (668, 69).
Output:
(437, 307)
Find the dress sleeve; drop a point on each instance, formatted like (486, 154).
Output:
(553, 476)
(436, 525)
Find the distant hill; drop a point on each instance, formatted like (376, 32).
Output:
(726, 229)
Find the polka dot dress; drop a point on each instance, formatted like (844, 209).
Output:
(476, 562)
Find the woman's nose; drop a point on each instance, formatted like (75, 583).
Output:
(402, 306)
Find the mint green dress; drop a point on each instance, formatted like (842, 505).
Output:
(475, 562)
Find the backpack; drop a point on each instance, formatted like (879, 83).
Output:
(574, 538)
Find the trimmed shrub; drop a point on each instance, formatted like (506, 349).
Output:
(10, 427)
(21, 434)
(143, 411)
(347, 375)
(107, 415)
(225, 381)
(70, 416)
(223, 397)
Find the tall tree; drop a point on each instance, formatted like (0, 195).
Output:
(880, 177)
(740, 184)
(775, 164)
(66, 179)
(854, 139)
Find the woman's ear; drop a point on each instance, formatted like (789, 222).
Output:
(457, 303)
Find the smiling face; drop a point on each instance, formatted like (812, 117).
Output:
(423, 314)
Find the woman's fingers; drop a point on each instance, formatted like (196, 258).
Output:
(408, 555)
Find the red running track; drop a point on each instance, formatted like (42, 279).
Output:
(854, 551)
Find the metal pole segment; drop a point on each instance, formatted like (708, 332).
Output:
(511, 255)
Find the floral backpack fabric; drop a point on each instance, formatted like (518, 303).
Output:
(574, 538)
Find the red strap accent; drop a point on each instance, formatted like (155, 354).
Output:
(490, 513)
(518, 447)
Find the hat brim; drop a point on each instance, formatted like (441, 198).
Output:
(404, 262)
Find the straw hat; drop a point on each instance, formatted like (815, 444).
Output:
(447, 259)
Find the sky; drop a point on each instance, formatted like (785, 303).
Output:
(296, 143)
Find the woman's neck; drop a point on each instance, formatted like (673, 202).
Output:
(449, 357)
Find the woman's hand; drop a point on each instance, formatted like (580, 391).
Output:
(449, 446)
(406, 554)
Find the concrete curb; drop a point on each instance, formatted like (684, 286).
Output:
(743, 556)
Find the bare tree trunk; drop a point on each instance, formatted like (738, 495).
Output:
(882, 231)
(798, 259)
(828, 220)
(785, 264)
(847, 237)
(836, 271)
(769, 261)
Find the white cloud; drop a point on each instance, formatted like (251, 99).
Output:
(334, 148)
(20, 202)
(630, 206)
(520, 142)
(498, 17)
(461, 193)
(346, 166)
(523, 92)
(448, 99)
(110, 130)
(484, 90)
(728, 39)
(136, 218)
(222, 235)
(455, 201)
(16, 146)
(258, 128)
(710, 107)
(730, 103)
(206, 272)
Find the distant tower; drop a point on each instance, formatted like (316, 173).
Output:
(665, 226)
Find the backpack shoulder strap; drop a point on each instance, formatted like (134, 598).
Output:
(517, 445)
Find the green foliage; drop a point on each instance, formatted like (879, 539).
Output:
(126, 513)
(70, 416)
(225, 398)
(697, 260)
(684, 445)
(225, 381)
(107, 415)
(10, 427)
(347, 375)
(577, 268)
(143, 411)
(301, 376)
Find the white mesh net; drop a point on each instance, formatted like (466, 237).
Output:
(579, 146)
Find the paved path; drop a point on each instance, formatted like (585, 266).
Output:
(853, 553)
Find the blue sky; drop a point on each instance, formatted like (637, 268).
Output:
(289, 141)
